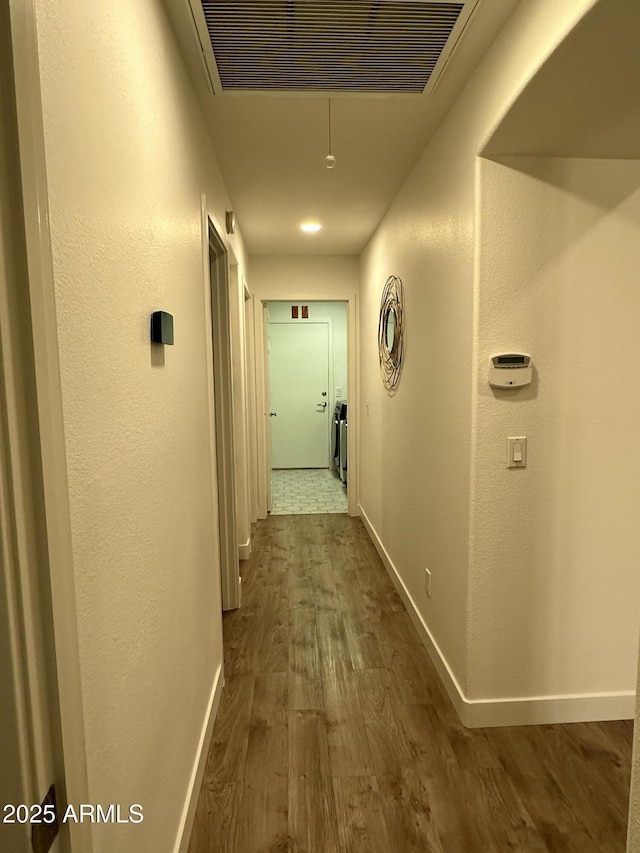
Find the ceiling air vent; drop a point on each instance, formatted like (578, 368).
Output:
(318, 45)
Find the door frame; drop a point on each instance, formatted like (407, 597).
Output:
(251, 427)
(266, 390)
(220, 370)
(262, 397)
(46, 573)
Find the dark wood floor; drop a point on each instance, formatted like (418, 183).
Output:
(334, 733)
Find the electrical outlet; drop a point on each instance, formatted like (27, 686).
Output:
(427, 582)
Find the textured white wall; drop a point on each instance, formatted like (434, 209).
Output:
(415, 445)
(296, 277)
(554, 586)
(416, 477)
(128, 159)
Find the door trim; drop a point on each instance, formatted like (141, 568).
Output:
(222, 414)
(264, 472)
(47, 383)
(266, 390)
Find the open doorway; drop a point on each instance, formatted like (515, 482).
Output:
(308, 413)
(223, 418)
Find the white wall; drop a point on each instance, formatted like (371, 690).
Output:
(420, 490)
(415, 444)
(128, 159)
(554, 586)
(299, 277)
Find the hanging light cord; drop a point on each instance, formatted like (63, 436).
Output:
(330, 160)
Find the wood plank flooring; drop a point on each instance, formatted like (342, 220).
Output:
(334, 734)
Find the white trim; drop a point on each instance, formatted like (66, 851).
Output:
(263, 444)
(227, 575)
(252, 426)
(219, 317)
(331, 390)
(510, 711)
(16, 692)
(261, 366)
(50, 414)
(445, 672)
(543, 710)
(195, 782)
(203, 42)
(196, 40)
(213, 462)
(237, 309)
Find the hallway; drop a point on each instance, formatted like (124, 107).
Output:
(334, 734)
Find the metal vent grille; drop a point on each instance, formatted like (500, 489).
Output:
(344, 45)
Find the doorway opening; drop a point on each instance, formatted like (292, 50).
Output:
(307, 376)
(223, 419)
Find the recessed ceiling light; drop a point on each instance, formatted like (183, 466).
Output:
(310, 227)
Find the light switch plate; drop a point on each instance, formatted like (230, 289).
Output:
(517, 451)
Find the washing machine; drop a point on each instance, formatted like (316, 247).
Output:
(339, 414)
(344, 443)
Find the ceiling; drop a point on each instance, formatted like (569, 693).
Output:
(271, 144)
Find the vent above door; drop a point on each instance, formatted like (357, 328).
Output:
(392, 46)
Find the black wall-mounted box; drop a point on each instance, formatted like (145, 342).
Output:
(162, 327)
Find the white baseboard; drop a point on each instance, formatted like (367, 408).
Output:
(244, 551)
(542, 710)
(193, 791)
(519, 711)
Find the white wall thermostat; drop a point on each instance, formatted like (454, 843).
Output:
(510, 370)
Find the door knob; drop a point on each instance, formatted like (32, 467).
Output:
(324, 405)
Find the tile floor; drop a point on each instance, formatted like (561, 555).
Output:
(302, 491)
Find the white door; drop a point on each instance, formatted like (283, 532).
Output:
(299, 383)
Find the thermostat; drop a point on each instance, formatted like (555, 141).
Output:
(510, 369)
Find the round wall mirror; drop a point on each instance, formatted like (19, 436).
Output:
(391, 332)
